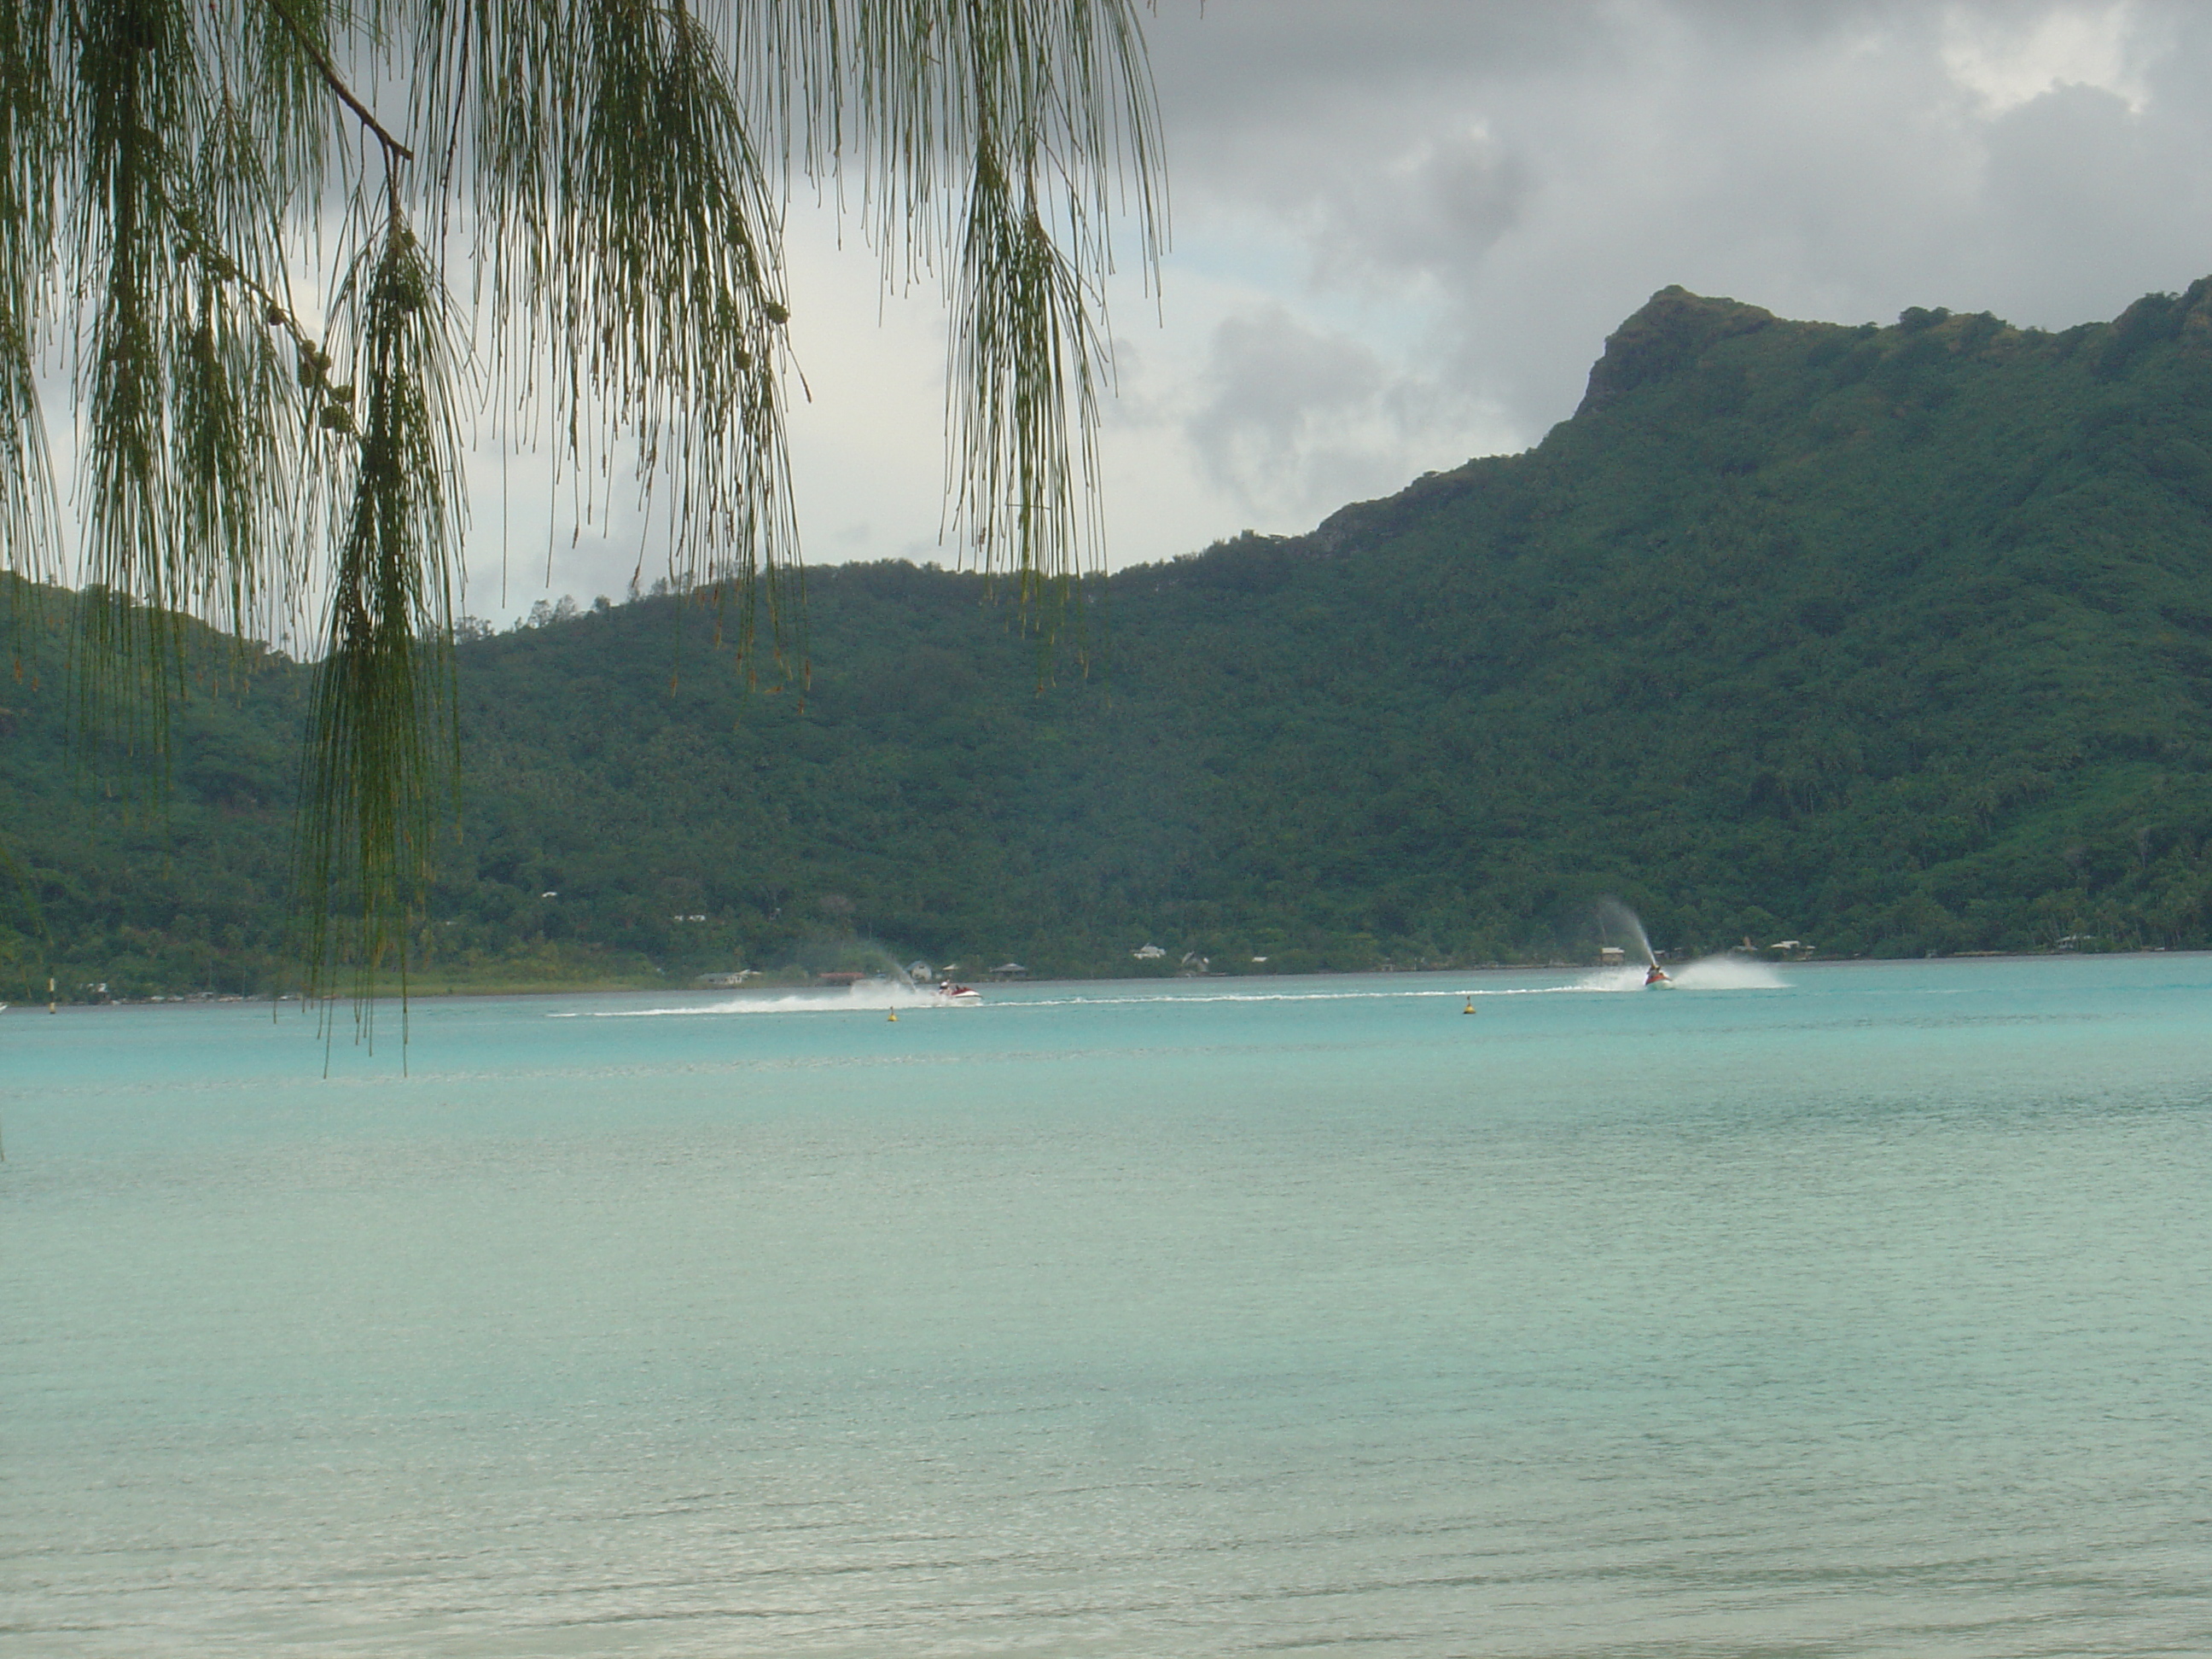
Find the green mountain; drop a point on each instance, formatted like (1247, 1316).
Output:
(1894, 639)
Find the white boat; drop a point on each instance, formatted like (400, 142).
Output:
(948, 991)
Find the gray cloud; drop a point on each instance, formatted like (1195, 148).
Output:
(1438, 209)
(1281, 399)
(1498, 185)
(1404, 229)
(1307, 419)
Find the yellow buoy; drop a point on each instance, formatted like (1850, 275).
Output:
(1470, 1006)
(894, 1016)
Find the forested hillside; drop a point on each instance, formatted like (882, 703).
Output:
(1895, 639)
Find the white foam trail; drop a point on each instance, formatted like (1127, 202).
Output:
(836, 1002)
(869, 995)
(1165, 1000)
(1721, 973)
(877, 996)
(1612, 979)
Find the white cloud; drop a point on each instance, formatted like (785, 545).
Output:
(1297, 420)
(2005, 60)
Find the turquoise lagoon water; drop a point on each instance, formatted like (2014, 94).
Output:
(1867, 1313)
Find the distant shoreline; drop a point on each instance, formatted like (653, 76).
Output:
(415, 993)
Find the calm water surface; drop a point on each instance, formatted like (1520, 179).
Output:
(1866, 1314)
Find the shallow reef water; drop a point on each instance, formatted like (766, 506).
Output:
(1826, 1309)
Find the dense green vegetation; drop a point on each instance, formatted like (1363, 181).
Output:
(1895, 639)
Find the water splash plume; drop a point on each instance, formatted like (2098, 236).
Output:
(1614, 919)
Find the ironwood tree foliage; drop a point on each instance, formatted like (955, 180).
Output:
(291, 254)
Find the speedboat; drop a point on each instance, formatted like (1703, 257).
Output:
(1656, 976)
(948, 991)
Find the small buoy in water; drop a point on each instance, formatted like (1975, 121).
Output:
(1470, 1005)
(894, 1016)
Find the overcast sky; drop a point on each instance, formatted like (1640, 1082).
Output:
(1404, 228)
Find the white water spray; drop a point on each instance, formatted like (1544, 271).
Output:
(1614, 917)
(1727, 971)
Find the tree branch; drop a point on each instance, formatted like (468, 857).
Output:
(331, 78)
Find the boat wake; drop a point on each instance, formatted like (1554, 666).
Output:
(869, 996)
(1720, 973)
